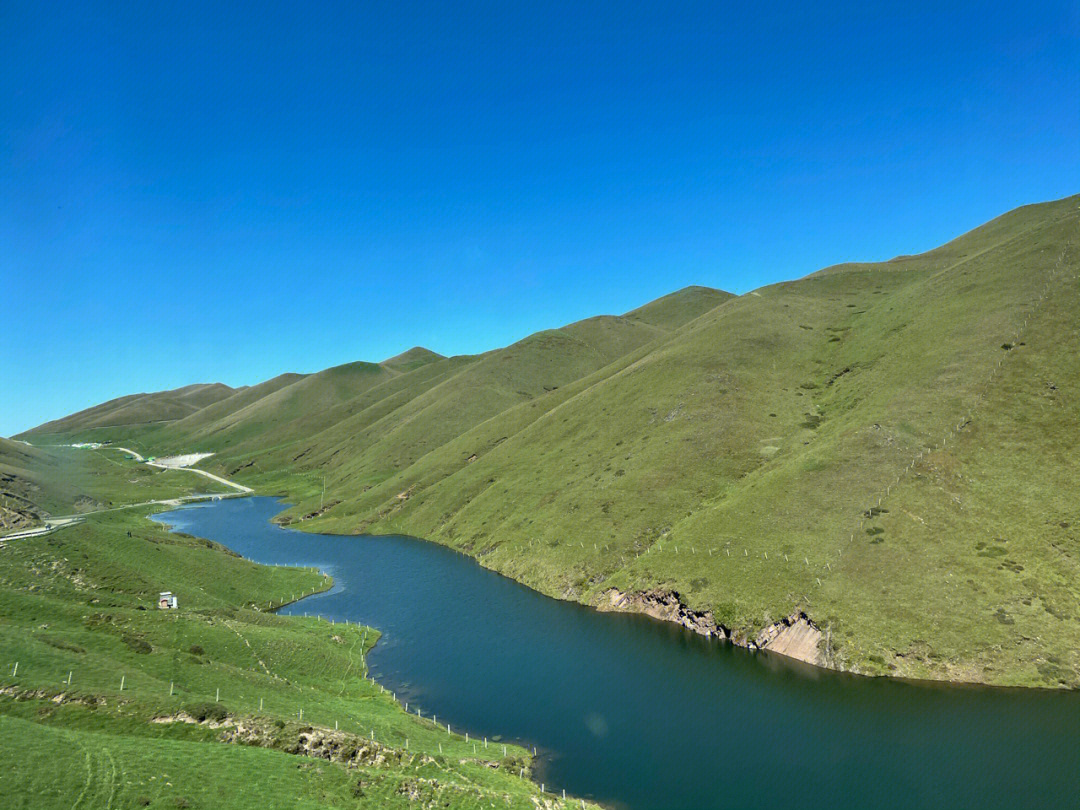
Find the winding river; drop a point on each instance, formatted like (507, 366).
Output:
(641, 714)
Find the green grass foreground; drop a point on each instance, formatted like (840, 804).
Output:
(103, 709)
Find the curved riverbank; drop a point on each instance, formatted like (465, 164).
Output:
(648, 714)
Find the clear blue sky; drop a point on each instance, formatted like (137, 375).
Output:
(218, 191)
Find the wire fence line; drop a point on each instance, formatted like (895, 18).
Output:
(64, 683)
(981, 393)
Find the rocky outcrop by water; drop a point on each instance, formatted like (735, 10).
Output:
(666, 606)
(795, 636)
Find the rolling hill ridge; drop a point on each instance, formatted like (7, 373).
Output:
(885, 454)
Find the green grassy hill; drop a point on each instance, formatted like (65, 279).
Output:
(888, 449)
(138, 410)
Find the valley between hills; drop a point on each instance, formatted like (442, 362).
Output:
(877, 464)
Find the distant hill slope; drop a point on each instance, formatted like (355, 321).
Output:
(140, 409)
(885, 456)
(414, 358)
(406, 403)
(679, 307)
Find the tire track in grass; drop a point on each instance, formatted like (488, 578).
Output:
(114, 780)
(348, 669)
(89, 770)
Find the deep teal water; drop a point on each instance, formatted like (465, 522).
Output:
(642, 714)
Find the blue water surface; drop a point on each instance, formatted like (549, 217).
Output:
(642, 714)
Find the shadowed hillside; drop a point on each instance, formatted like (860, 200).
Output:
(886, 454)
(20, 490)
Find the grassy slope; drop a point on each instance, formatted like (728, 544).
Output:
(140, 409)
(771, 424)
(680, 307)
(44, 481)
(80, 601)
(222, 411)
(756, 433)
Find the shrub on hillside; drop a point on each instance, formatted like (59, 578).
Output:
(207, 711)
(136, 644)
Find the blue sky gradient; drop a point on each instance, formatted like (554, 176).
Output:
(209, 193)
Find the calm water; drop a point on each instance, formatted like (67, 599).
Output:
(642, 714)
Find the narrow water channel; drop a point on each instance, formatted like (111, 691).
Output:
(641, 714)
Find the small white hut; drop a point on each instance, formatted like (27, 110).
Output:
(166, 601)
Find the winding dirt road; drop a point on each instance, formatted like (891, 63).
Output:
(171, 463)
